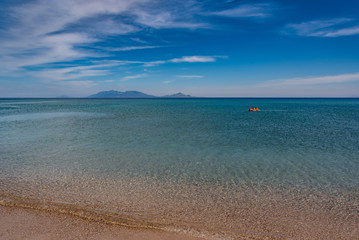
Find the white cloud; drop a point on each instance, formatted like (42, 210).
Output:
(170, 14)
(315, 80)
(66, 73)
(153, 63)
(143, 75)
(139, 40)
(167, 82)
(49, 31)
(259, 10)
(124, 62)
(265, 91)
(165, 19)
(47, 49)
(184, 59)
(320, 86)
(130, 48)
(324, 28)
(343, 32)
(40, 31)
(192, 59)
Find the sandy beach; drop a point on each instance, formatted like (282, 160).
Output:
(30, 224)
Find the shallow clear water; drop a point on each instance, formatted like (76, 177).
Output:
(291, 149)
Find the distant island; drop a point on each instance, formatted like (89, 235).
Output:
(177, 95)
(133, 94)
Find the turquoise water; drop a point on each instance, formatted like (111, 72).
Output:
(291, 144)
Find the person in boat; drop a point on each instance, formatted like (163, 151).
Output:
(254, 109)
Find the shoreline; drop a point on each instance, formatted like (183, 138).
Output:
(55, 220)
(21, 223)
(219, 212)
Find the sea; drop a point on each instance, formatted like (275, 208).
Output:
(204, 167)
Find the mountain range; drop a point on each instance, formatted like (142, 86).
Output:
(133, 94)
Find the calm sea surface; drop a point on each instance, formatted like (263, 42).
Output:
(204, 167)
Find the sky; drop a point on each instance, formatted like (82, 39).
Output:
(205, 48)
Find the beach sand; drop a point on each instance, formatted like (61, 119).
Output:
(18, 223)
(216, 214)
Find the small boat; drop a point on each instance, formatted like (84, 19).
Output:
(254, 109)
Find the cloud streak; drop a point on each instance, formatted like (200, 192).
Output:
(167, 81)
(126, 78)
(40, 31)
(48, 31)
(78, 72)
(321, 86)
(336, 27)
(189, 76)
(166, 19)
(184, 59)
(259, 10)
(316, 80)
(131, 48)
(192, 59)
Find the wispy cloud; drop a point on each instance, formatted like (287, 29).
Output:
(166, 19)
(126, 78)
(139, 40)
(343, 32)
(78, 72)
(320, 86)
(167, 82)
(342, 78)
(257, 10)
(192, 59)
(43, 31)
(324, 28)
(54, 31)
(184, 59)
(122, 62)
(189, 76)
(131, 48)
(47, 32)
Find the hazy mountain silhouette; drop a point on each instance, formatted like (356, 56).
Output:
(133, 94)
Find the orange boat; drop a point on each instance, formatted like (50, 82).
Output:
(254, 109)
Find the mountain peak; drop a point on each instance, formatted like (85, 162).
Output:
(133, 94)
(117, 94)
(106, 94)
(178, 95)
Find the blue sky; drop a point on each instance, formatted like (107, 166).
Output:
(207, 48)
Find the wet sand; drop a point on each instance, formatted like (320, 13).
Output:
(17, 223)
(68, 208)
